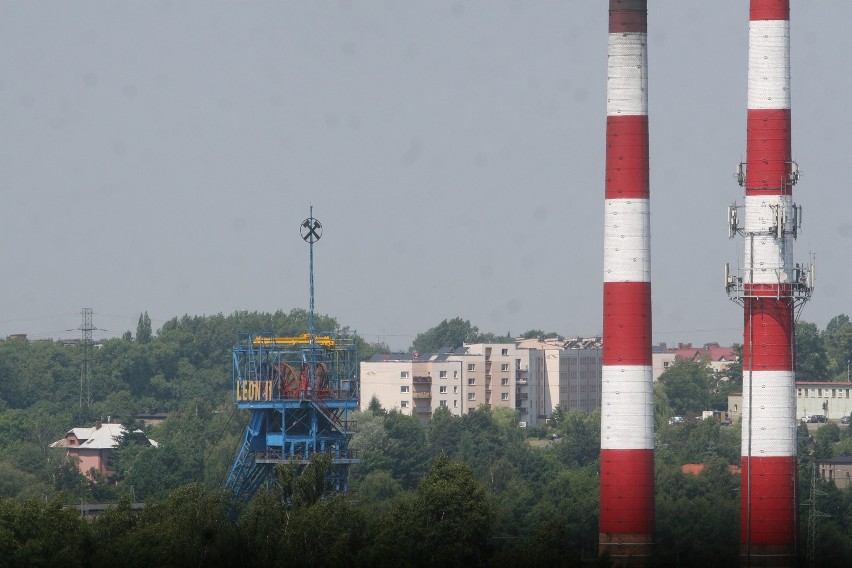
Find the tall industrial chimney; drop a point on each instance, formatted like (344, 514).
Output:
(627, 414)
(770, 288)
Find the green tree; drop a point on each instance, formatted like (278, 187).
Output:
(406, 445)
(143, 329)
(563, 522)
(41, 533)
(446, 523)
(837, 339)
(579, 442)
(188, 528)
(558, 415)
(449, 333)
(378, 491)
(328, 532)
(697, 441)
(811, 359)
(444, 432)
(697, 516)
(687, 386)
(662, 409)
(375, 407)
(826, 436)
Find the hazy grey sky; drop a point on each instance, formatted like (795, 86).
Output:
(159, 156)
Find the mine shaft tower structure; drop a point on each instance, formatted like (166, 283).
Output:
(771, 288)
(300, 390)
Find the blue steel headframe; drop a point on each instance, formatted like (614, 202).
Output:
(296, 413)
(301, 390)
(267, 367)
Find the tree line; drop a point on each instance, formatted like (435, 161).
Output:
(465, 490)
(510, 495)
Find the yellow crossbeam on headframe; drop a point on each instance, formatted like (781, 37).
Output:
(303, 339)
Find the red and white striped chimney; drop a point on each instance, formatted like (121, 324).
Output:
(769, 288)
(627, 413)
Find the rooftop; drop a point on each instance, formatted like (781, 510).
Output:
(100, 436)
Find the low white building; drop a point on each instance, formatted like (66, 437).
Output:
(830, 399)
(833, 400)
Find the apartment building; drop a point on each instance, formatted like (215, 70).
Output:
(580, 379)
(491, 373)
(529, 376)
(413, 385)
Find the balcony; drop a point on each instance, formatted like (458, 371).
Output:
(521, 380)
(422, 380)
(521, 409)
(423, 409)
(419, 395)
(522, 396)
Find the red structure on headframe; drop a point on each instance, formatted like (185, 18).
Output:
(770, 287)
(627, 416)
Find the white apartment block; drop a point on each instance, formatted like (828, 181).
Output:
(412, 386)
(529, 376)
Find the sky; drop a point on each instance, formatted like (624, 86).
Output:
(160, 156)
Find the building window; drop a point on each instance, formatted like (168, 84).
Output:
(504, 382)
(471, 382)
(403, 374)
(455, 404)
(442, 390)
(471, 396)
(455, 390)
(455, 374)
(403, 388)
(403, 404)
(504, 367)
(443, 403)
(665, 364)
(504, 396)
(471, 366)
(443, 375)
(504, 352)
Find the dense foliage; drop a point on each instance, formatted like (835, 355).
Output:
(450, 334)
(184, 369)
(465, 490)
